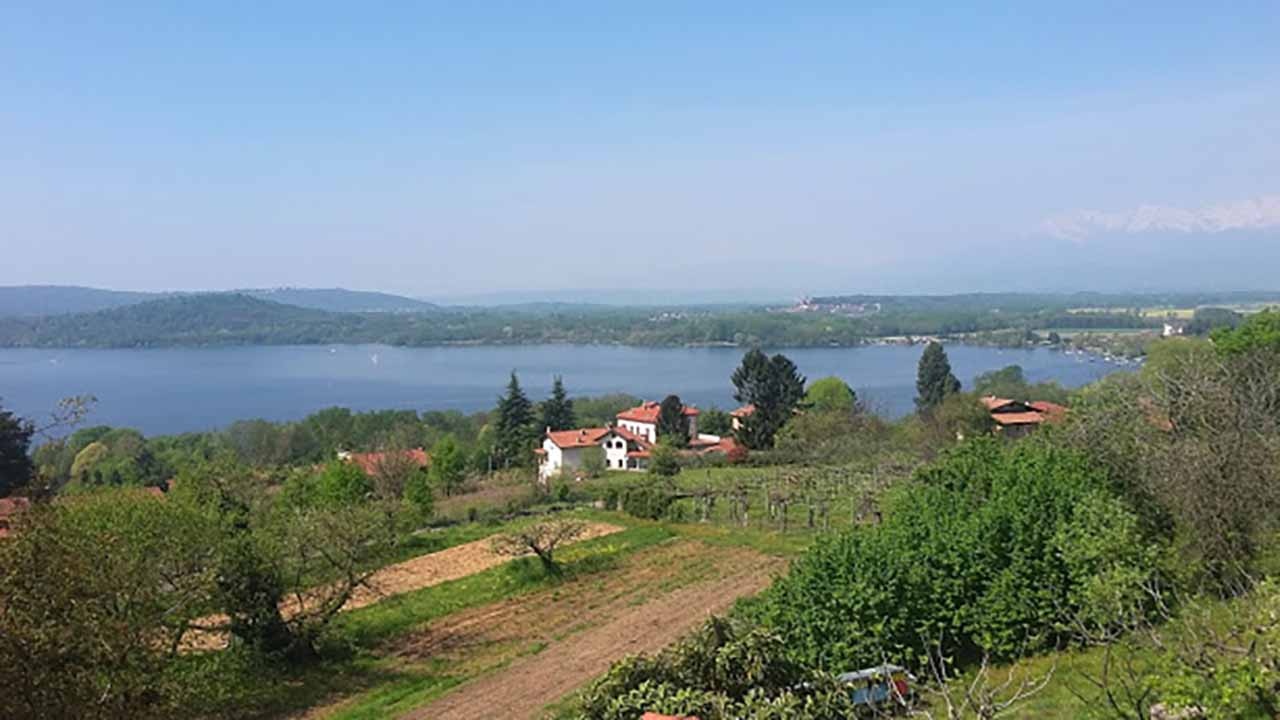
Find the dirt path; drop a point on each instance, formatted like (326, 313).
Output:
(420, 572)
(585, 629)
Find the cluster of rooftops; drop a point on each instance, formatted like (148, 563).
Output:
(627, 442)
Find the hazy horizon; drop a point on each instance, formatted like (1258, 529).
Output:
(712, 151)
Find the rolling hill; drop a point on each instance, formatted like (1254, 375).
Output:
(43, 300)
(211, 319)
(35, 300)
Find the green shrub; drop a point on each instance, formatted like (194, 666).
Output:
(649, 503)
(993, 548)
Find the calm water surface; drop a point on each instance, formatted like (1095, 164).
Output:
(177, 390)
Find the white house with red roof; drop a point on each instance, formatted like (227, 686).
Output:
(626, 444)
(643, 420)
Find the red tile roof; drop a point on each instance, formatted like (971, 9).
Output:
(1051, 411)
(369, 462)
(629, 436)
(582, 437)
(995, 403)
(1018, 418)
(648, 411)
(744, 411)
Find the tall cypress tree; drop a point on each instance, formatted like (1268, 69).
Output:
(673, 425)
(934, 380)
(775, 387)
(557, 410)
(515, 432)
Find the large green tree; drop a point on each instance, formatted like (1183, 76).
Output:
(448, 465)
(830, 394)
(15, 464)
(934, 380)
(673, 424)
(557, 410)
(515, 432)
(775, 387)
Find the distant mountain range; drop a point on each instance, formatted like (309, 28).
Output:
(44, 300)
(1260, 213)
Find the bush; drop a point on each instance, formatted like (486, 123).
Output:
(649, 503)
(993, 549)
(722, 671)
(663, 461)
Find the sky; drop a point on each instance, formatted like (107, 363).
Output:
(715, 148)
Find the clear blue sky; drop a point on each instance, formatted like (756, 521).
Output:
(462, 148)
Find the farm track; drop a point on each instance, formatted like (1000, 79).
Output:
(584, 626)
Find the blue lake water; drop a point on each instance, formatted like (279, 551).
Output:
(178, 390)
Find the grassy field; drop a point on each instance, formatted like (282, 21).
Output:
(373, 670)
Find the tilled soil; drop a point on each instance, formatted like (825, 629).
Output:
(424, 571)
(586, 626)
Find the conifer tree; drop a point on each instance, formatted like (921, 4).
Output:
(673, 424)
(557, 410)
(934, 380)
(515, 434)
(15, 464)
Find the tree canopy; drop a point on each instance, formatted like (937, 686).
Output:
(515, 431)
(774, 387)
(673, 424)
(934, 380)
(557, 410)
(830, 394)
(15, 464)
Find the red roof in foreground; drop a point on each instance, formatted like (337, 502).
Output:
(582, 437)
(369, 462)
(647, 412)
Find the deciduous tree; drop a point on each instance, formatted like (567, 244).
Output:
(774, 387)
(542, 539)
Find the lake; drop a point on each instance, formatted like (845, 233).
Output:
(178, 390)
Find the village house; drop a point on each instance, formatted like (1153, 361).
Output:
(643, 420)
(1015, 418)
(372, 462)
(626, 444)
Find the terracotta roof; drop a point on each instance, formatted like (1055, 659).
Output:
(1051, 411)
(638, 454)
(647, 412)
(9, 506)
(582, 437)
(629, 436)
(369, 462)
(1021, 418)
(994, 403)
(744, 411)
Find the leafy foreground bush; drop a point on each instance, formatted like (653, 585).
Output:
(995, 549)
(722, 671)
